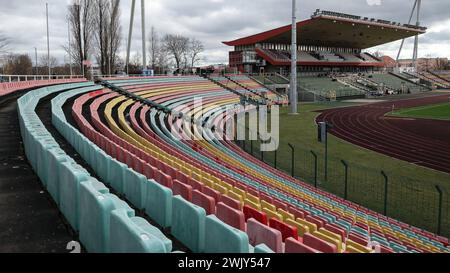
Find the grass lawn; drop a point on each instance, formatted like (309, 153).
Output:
(412, 196)
(437, 111)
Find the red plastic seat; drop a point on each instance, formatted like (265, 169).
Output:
(286, 230)
(297, 213)
(231, 202)
(163, 179)
(212, 193)
(230, 216)
(195, 184)
(294, 246)
(204, 201)
(280, 205)
(318, 244)
(149, 171)
(320, 223)
(259, 233)
(337, 230)
(250, 212)
(182, 189)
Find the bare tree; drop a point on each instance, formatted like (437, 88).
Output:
(18, 65)
(107, 33)
(82, 24)
(177, 47)
(154, 47)
(45, 61)
(196, 47)
(4, 42)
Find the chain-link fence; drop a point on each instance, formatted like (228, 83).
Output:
(404, 198)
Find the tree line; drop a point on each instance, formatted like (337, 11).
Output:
(96, 34)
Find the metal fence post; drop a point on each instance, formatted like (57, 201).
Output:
(262, 156)
(315, 168)
(275, 159)
(293, 159)
(251, 147)
(440, 210)
(346, 179)
(386, 183)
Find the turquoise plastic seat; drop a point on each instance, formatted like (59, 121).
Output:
(158, 203)
(188, 224)
(222, 238)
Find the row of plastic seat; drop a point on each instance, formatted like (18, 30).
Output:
(103, 221)
(7, 88)
(189, 223)
(353, 227)
(187, 194)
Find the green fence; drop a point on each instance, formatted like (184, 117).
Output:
(418, 203)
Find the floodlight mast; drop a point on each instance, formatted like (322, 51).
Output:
(416, 40)
(293, 83)
(409, 22)
(130, 34)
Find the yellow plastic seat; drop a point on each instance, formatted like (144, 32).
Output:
(286, 215)
(361, 248)
(272, 214)
(330, 240)
(301, 229)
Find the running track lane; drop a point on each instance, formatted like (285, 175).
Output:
(424, 142)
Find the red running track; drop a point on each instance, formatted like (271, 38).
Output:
(424, 142)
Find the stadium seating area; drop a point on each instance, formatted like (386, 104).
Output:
(433, 79)
(213, 196)
(323, 85)
(248, 87)
(317, 56)
(395, 83)
(10, 87)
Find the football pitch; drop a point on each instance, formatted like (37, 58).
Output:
(437, 111)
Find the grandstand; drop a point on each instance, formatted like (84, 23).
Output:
(432, 79)
(214, 197)
(395, 83)
(323, 86)
(329, 43)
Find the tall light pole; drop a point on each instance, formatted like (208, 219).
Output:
(144, 54)
(48, 44)
(293, 84)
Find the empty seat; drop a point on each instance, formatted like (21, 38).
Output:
(259, 233)
(188, 224)
(135, 235)
(319, 244)
(204, 201)
(286, 230)
(294, 246)
(250, 212)
(183, 190)
(235, 204)
(222, 238)
(230, 216)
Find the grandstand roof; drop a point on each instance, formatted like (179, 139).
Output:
(332, 29)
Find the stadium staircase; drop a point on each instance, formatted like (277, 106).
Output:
(206, 194)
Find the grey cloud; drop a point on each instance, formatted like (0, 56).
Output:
(214, 21)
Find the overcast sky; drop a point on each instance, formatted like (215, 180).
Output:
(214, 21)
